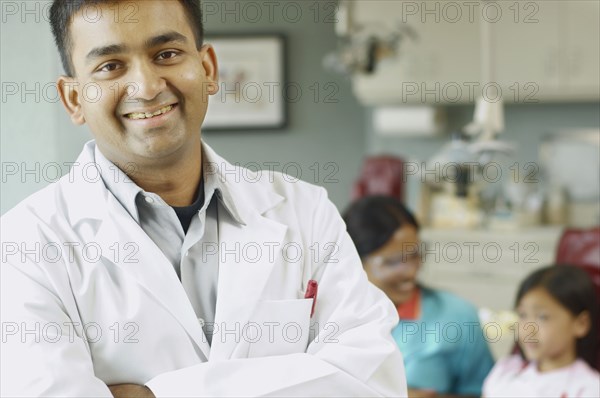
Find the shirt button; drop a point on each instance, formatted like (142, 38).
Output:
(149, 199)
(186, 253)
(201, 322)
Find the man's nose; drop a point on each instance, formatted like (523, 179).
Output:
(145, 83)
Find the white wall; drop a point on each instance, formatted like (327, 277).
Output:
(28, 133)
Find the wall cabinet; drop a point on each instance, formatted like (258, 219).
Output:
(543, 51)
(485, 267)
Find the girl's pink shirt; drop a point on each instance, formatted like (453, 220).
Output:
(513, 377)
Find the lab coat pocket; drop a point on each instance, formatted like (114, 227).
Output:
(281, 327)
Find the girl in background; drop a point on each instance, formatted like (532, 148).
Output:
(557, 337)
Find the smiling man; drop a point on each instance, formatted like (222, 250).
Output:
(168, 274)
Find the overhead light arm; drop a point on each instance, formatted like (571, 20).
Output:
(488, 119)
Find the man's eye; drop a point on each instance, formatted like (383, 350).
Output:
(167, 55)
(108, 67)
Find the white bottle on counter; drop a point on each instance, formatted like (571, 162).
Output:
(556, 206)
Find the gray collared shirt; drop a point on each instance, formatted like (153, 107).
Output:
(187, 252)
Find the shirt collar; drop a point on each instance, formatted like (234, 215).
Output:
(215, 181)
(118, 183)
(126, 191)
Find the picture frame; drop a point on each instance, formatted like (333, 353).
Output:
(252, 78)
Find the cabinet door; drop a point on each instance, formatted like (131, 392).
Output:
(527, 50)
(485, 267)
(580, 26)
(440, 65)
(541, 51)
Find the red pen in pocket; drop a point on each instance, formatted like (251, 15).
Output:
(311, 292)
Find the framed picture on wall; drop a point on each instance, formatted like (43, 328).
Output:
(251, 83)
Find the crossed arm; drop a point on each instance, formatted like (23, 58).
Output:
(364, 361)
(130, 391)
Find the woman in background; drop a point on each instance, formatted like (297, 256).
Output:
(439, 333)
(557, 337)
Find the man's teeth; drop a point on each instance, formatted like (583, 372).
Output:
(149, 115)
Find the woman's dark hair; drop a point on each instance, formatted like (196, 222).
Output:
(62, 11)
(573, 288)
(371, 222)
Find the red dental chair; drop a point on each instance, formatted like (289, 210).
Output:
(381, 175)
(581, 248)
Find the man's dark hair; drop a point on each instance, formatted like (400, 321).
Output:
(372, 221)
(62, 12)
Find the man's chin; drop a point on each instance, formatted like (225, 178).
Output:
(160, 148)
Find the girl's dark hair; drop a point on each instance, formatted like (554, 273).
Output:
(573, 288)
(371, 222)
(62, 11)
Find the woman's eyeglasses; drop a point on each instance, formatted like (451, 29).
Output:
(407, 258)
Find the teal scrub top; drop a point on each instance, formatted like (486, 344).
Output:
(444, 350)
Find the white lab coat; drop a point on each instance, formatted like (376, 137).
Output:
(74, 260)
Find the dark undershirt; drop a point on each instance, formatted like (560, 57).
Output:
(186, 213)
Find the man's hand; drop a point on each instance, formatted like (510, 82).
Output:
(130, 391)
(413, 393)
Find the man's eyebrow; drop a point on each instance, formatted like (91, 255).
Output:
(165, 38)
(104, 51)
(161, 39)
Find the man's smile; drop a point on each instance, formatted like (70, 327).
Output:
(154, 117)
(150, 112)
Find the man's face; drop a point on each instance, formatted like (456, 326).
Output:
(128, 63)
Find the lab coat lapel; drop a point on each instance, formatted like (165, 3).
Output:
(148, 266)
(242, 280)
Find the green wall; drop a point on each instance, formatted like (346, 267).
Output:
(326, 139)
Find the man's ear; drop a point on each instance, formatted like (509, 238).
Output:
(582, 324)
(211, 68)
(68, 89)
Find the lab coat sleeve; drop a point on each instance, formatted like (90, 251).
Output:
(352, 355)
(43, 352)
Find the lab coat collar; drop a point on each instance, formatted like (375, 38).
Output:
(237, 189)
(241, 281)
